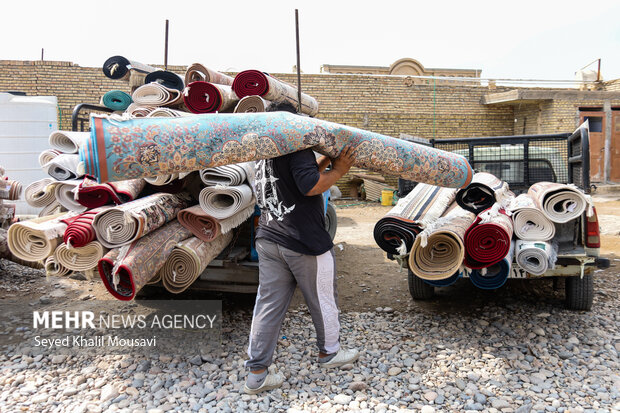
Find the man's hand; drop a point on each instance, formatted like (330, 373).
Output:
(344, 161)
(340, 166)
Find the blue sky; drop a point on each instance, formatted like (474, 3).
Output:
(523, 40)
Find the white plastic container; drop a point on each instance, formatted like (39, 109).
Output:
(25, 125)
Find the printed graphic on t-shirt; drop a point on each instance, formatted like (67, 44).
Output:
(266, 194)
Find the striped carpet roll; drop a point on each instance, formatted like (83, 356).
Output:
(36, 194)
(65, 167)
(396, 231)
(203, 97)
(487, 240)
(93, 195)
(529, 221)
(251, 104)
(484, 190)
(223, 202)
(128, 222)
(255, 82)
(55, 269)
(535, 257)
(10, 190)
(227, 175)
(154, 94)
(47, 155)
(116, 100)
(189, 259)
(80, 259)
(126, 270)
(559, 202)
(165, 78)
(198, 72)
(80, 230)
(36, 239)
(438, 251)
(495, 276)
(445, 281)
(67, 142)
(65, 193)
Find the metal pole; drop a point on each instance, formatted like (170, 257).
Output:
(298, 68)
(42, 53)
(598, 75)
(166, 48)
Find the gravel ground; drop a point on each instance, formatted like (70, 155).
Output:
(514, 353)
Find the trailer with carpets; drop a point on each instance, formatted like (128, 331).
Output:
(538, 165)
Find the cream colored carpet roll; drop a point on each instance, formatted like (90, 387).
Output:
(559, 202)
(67, 141)
(251, 104)
(52, 209)
(80, 259)
(36, 239)
(223, 202)
(197, 72)
(37, 195)
(65, 192)
(128, 222)
(438, 251)
(189, 259)
(167, 113)
(154, 94)
(530, 223)
(139, 111)
(65, 167)
(47, 155)
(535, 257)
(54, 269)
(161, 180)
(228, 175)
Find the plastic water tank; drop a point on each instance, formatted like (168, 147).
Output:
(25, 125)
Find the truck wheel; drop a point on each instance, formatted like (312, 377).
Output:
(331, 220)
(418, 289)
(579, 292)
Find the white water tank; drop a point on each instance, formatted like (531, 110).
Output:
(25, 125)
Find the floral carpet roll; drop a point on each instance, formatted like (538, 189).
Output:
(487, 240)
(128, 222)
(93, 195)
(559, 202)
(529, 221)
(189, 259)
(396, 231)
(134, 148)
(126, 270)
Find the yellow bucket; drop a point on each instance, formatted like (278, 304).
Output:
(387, 197)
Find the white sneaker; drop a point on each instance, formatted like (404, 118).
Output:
(272, 381)
(344, 356)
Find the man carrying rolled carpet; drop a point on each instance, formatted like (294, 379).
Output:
(294, 249)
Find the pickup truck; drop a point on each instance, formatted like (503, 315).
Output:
(521, 161)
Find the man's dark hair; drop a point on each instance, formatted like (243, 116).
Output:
(281, 107)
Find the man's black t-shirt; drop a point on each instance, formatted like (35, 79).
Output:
(288, 217)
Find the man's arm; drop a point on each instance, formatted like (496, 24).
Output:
(340, 166)
(323, 162)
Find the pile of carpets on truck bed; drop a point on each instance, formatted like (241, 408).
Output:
(480, 230)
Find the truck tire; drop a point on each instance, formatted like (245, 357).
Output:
(418, 289)
(331, 220)
(579, 292)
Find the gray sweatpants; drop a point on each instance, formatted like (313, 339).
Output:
(280, 270)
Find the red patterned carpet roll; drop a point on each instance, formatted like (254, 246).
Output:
(93, 195)
(204, 97)
(487, 240)
(80, 230)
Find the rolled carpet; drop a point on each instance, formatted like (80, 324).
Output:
(189, 259)
(484, 190)
(65, 167)
(52, 209)
(5, 253)
(487, 240)
(227, 175)
(529, 222)
(223, 202)
(82, 258)
(66, 141)
(167, 79)
(128, 222)
(138, 111)
(445, 281)
(47, 155)
(154, 94)
(93, 195)
(162, 180)
(203, 97)
(116, 100)
(206, 227)
(36, 194)
(198, 72)
(80, 230)
(535, 257)
(396, 231)
(55, 269)
(135, 148)
(120, 68)
(495, 276)
(65, 193)
(167, 113)
(36, 239)
(255, 82)
(10, 190)
(251, 104)
(438, 251)
(559, 202)
(126, 270)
